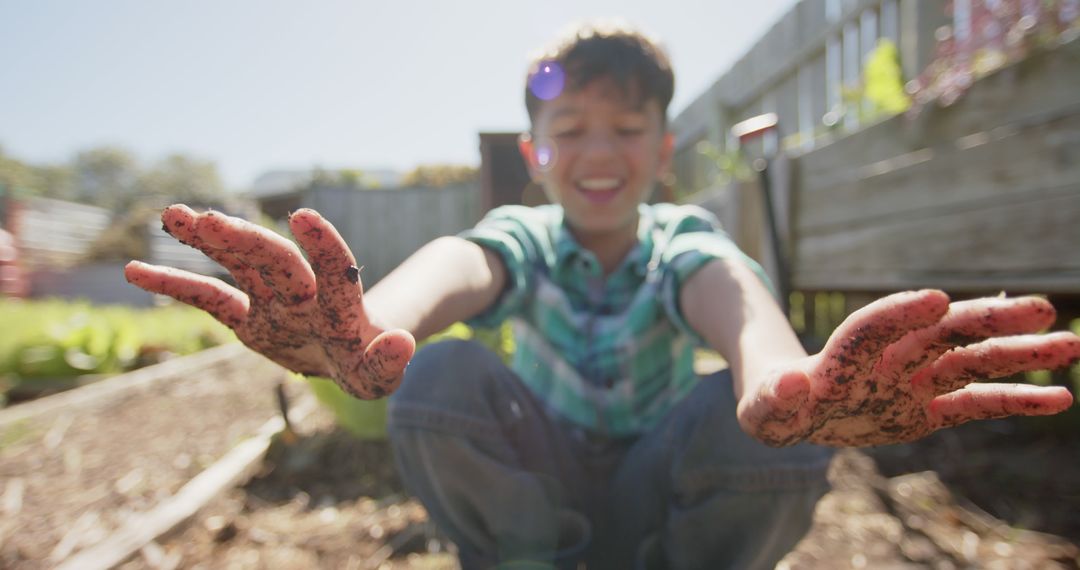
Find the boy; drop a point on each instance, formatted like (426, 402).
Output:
(599, 443)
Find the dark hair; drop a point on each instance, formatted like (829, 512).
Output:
(636, 63)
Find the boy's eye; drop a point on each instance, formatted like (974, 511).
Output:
(630, 131)
(568, 133)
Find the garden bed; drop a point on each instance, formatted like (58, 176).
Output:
(76, 466)
(73, 475)
(331, 501)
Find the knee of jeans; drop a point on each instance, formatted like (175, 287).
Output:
(712, 453)
(738, 529)
(442, 371)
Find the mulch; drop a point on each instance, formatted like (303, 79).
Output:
(990, 495)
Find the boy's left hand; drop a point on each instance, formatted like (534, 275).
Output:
(906, 365)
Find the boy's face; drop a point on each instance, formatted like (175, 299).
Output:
(598, 153)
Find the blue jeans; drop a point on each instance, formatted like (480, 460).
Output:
(510, 483)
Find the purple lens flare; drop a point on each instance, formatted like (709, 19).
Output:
(543, 156)
(547, 81)
(546, 154)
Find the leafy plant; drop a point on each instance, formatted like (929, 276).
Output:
(366, 419)
(60, 339)
(730, 165)
(440, 175)
(884, 80)
(996, 34)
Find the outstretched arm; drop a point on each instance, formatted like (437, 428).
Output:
(896, 370)
(310, 314)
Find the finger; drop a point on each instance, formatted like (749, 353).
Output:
(278, 261)
(965, 323)
(388, 355)
(179, 221)
(777, 414)
(858, 342)
(989, 401)
(379, 372)
(998, 358)
(225, 303)
(335, 267)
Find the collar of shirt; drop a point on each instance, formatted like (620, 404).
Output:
(571, 258)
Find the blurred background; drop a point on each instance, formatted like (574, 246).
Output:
(897, 144)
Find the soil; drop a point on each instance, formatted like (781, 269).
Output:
(988, 495)
(69, 479)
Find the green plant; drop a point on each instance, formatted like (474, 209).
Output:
(880, 94)
(366, 419)
(57, 339)
(884, 81)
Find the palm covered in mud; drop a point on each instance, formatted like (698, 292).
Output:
(908, 365)
(305, 314)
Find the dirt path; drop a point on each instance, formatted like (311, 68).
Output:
(330, 501)
(72, 475)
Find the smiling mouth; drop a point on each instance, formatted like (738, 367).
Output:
(599, 190)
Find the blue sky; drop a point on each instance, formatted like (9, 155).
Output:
(257, 85)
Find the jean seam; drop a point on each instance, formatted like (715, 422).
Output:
(756, 480)
(419, 416)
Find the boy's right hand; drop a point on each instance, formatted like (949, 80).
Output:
(307, 315)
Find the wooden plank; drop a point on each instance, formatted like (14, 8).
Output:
(383, 227)
(113, 390)
(1004, 162)
(1039, 233)
(829, 164)
(1040, 85)
(1038, 89)
(1031, 244)
(750, 234)
(143, 528)
(880, 285)
(53, 233)
(778, 54)
(1045, 84)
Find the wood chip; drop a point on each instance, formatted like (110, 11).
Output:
(13, 496)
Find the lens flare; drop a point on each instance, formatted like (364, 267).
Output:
(547, 81)
(543, 156)
(546, 154)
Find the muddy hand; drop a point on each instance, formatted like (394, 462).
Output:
(906, 366)
(305, 314)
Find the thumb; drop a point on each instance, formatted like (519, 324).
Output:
(791, 390)
(772, 413)
(380, 370)
(388, 355)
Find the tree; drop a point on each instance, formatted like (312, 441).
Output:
(51, 181)
(439, 175)
(55, 181)
(105, 176)
(113, 178)
(181, 178)
(15, 175)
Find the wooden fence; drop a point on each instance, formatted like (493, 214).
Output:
(54, 233)
(799, 70)
(978, 197)
(383, 227)
(981, 196)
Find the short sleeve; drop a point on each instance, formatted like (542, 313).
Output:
(693, 241)
(508, 231)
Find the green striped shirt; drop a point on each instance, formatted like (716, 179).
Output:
(610, 354)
